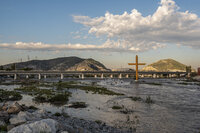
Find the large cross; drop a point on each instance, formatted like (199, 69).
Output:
(136, 65)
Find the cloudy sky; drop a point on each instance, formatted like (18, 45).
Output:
(112, 32)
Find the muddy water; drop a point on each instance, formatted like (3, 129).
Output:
(176, 107)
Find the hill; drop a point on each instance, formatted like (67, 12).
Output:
(63, 63)
(166, 65)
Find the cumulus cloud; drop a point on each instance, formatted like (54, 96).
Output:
(132, 31)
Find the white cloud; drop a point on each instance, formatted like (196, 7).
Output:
(132, 31)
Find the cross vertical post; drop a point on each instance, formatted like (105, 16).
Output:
(136, 66)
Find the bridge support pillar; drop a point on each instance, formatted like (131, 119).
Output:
(27, 76)
(127, 75)
(111, 76)
(82, 76)
(39, 76)
(61, 76)
(188, 75)
(120, 76)
(45, 76)
(95, 76)
(102, 76)
(15, 76)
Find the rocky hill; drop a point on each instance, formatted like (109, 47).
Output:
(63, 63)
(166, 65)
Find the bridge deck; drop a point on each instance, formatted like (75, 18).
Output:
(85, 72)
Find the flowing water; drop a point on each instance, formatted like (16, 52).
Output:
(175, 107)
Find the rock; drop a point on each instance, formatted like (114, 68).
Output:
(9, 127)
(45, 125)
(197, 78)
(4, 116)
(64, 132)
(4, 107)
(15, 108)
(1, 106)
(40, 113)
(2, 123)
(23, 117)
(81, 130)
(17, 120)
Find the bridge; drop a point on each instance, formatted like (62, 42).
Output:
(94, 74)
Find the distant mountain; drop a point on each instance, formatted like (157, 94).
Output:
(123, 69)
(166, 65)
(63, 63)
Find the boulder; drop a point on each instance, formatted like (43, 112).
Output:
(16, 120)
(23, 117)
(15, 108)
(45, 125)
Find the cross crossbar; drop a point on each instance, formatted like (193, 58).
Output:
(135, 63)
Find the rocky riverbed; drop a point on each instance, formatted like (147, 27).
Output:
(110, 105)
(16, 118)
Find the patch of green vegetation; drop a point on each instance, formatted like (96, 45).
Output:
(32, 107)
(159, 84)
(65, 115)
(136, 98)
(43, 84)
(54, 98)
(78, 105)
(94, 89)
(46, 95)
(33, 90)
(149, 100)
(57, 114)
(9, 95)
(98, 90)
(98, 121)
(183, 83)
(116, 107)
(3, 128)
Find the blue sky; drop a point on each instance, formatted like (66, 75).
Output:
(59, 22)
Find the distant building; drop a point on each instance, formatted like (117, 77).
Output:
(198, 69)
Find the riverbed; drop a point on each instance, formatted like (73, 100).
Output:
(175, 105)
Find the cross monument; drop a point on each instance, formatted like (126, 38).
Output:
(136, 66)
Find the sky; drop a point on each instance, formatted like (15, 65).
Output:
(110, 31)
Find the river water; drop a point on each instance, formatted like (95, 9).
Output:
(175, 107)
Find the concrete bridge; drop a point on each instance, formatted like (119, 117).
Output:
(95, 74)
